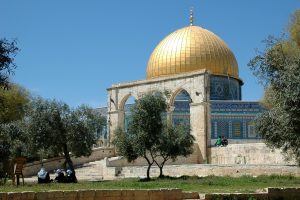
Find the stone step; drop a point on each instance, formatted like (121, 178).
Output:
(88, 171)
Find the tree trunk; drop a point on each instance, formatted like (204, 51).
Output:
(69, 162)
(148, 171)
(68, 158)
(161, 172)
(161, 166)
(149, 166)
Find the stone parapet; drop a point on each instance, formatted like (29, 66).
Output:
(158, 194)
(165, 194)
(271, 193)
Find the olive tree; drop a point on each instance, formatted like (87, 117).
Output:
(278, 69)
(8, 51)
(62, 130)
(148, 135)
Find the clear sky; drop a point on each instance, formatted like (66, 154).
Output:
(73, 50)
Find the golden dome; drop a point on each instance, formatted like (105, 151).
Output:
(190, 49)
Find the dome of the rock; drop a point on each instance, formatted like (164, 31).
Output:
(191, 49)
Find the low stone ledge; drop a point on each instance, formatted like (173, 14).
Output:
(14, 196)
(86, 194)
(172, 194)
(70, 195)
(190, 195)
(3, 196)
(28, 195)
(41, 195)
(271, 193)
(240, 196)
(159, 194)
(166, 194)
(284, 193)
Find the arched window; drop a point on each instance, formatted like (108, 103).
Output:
(181, 113)
(127, 111)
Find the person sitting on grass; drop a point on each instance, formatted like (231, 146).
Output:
(43, 176)
(60, 176)
(71, 178)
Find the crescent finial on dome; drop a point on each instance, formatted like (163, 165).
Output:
(191, 16)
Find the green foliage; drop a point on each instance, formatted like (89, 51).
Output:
(56, 129)
(8, 51)
(13, 142)
(173, 142)
(278, 68)
(147, 118)
(13, 103)
(144, 129)
(123, 142)
(84, 122)
(294, 27)
(12, 138)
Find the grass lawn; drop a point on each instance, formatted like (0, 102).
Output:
(210, 184)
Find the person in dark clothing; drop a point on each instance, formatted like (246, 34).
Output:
(60, 176)
(43, 176)
(224, 141)
(71, 178)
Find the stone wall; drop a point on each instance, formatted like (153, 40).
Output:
(158, 194)
(251, 153)
(271, 193)
(246, 153)
(110, 173)
(31, 169)
(234, 160)
(166, 194)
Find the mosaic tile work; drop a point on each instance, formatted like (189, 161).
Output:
(224, 88)
(234, 120)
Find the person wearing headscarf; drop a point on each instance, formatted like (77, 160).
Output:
(43, 176)
(71, 178)
(60, 176)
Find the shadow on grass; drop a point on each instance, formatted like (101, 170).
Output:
(171, 178)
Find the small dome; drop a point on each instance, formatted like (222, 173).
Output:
(191, 49)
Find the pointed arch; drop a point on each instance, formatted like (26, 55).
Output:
(125, 106)
(175, 94)
(181, 107)
(124, 100)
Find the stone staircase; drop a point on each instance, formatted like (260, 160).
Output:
(91, 171)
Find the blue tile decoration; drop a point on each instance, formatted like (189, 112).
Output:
(224, 88)
(234, 119)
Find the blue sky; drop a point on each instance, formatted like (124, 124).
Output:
(73, 50)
